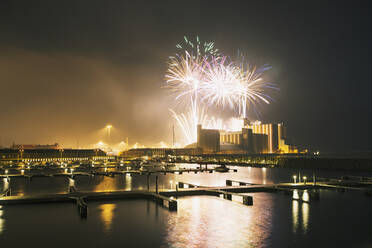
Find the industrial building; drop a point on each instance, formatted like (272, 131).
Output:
(208, 139)
(254, 137)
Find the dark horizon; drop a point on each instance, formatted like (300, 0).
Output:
(69, 68)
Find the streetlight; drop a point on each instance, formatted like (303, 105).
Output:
(304, 178)
(294, 178)
(21, 152)
(60, 154)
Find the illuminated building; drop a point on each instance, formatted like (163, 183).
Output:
(254, 137)
(35, 146)
(276, 134)
(48, 155)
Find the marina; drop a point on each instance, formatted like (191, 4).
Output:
(83, 193)
(307, 191)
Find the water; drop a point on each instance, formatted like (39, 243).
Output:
(337, 220)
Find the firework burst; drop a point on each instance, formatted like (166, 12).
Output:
(200, 77)
(183, 76)
(197, 48)
(252, 89)
(189, 120)
(221, 79)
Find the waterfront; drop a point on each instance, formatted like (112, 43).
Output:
(338, 219)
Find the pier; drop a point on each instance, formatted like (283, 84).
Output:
(93, 172)
(233, 190)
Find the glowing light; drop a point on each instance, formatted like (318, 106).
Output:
(137, 145)
(305, 216)
(188, 122)
(200, 77)
(100, 144)
(107, 215)
(2, 221)
(161, 144)
(295, 194)
(305, 196)
(295, 215)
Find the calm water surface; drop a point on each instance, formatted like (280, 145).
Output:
(337, 220)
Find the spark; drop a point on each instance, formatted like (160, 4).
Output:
(197, 48)
(220, 83)
(183, 76)
(199, 77)
(188, 122)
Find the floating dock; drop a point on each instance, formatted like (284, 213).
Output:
(167, 198)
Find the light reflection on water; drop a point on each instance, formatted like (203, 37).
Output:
(107, 215)
(295, 215)
(201, 221)
(300, 212)
(128, 182)
(305, 216)
(2, 221)
(264, 175)
(71, 182)
(209, 221)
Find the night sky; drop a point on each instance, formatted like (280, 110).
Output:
(67, 68)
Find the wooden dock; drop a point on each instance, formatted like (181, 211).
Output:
(93, 172)
(167, 198)
(80, 198)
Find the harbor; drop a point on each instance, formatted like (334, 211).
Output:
(92, 194)
(306, 191)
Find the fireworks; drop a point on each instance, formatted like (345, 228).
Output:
(252, 89)
(197, 48)
(188, 122)
(200, 77)
(220, 83)
(183, 76)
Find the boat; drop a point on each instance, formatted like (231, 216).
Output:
(221, 168)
